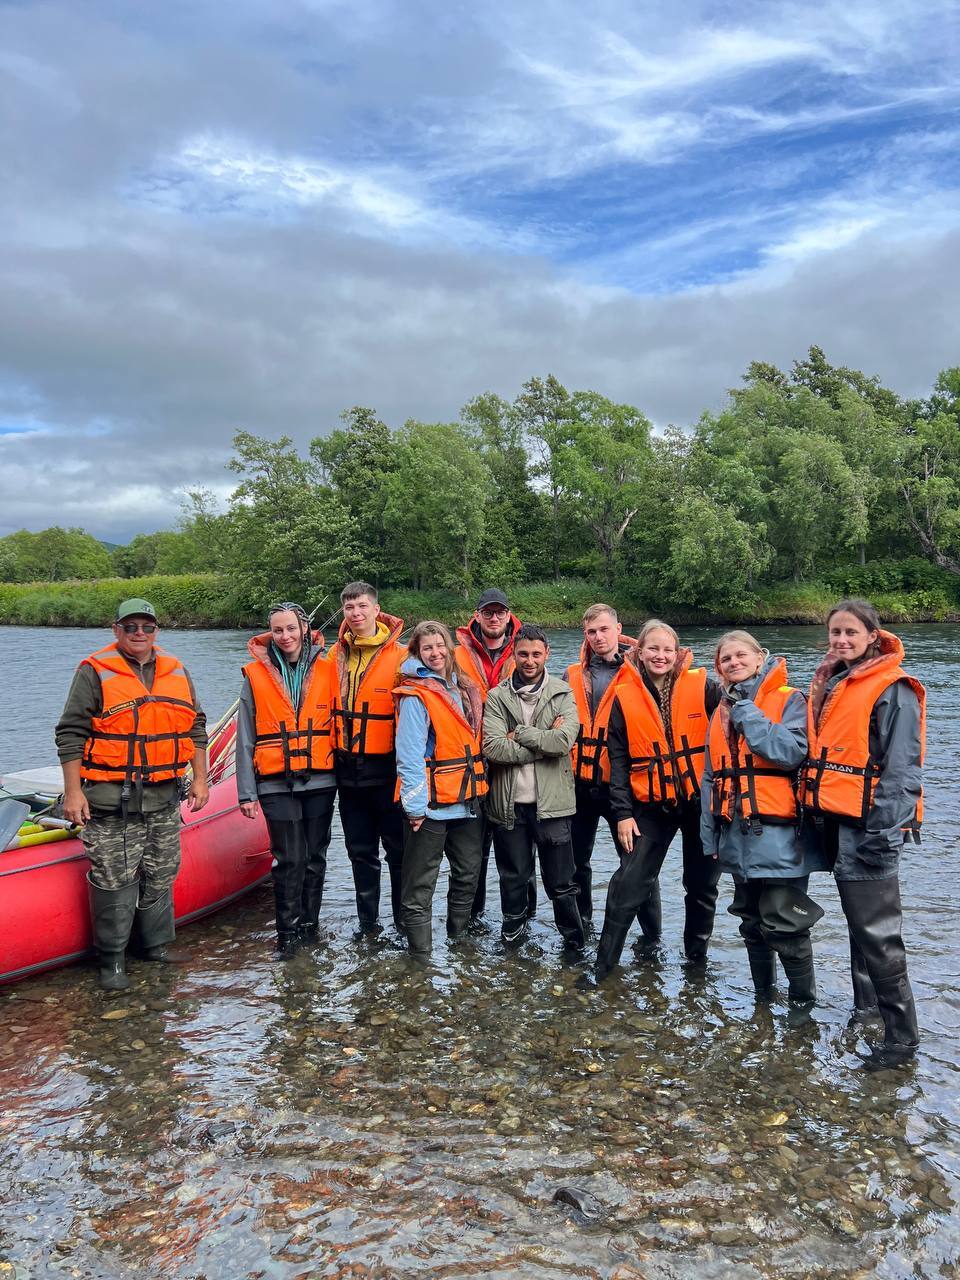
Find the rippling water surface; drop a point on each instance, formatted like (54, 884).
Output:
(346, 1114)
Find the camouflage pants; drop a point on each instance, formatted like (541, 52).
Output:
(145, 847)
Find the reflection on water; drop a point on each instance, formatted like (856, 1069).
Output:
(347, 1114)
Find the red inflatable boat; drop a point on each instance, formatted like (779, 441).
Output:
(44, 916)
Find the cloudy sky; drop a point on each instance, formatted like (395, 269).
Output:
(254, 215)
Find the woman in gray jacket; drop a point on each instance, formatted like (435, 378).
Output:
(756, 743)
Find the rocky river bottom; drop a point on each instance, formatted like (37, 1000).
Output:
(346, 1113)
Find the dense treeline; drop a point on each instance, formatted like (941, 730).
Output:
(820, 474)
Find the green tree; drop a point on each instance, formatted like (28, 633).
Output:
(928, 474)
(544, 409)
(435, 506)
(516, 540)
(54, 555)
(604, 469)
(288, 535)
(356, 461)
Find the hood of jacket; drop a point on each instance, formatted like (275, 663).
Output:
(890, 656)
(258, 648)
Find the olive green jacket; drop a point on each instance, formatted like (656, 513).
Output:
(548, 749)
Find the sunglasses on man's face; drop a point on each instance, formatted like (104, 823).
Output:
(131, 628)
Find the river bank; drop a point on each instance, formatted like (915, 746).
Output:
(213, 601)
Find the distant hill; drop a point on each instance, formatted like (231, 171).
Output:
(111, 546)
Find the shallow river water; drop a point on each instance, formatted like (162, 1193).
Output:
(346, 1114)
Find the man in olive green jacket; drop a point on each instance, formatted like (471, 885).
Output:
(530, 723)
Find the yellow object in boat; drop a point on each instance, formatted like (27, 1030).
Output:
(40, 837)
(30, 829)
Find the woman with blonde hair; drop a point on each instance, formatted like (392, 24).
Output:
(440, 781)
(657, 736)
(755, 745)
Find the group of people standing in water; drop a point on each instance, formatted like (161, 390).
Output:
(435, 748)
(439, 748)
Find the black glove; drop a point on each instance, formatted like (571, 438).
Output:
(734, 694)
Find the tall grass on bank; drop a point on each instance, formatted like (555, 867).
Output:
(904, 591)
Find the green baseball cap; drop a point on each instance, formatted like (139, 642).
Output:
(135, 608)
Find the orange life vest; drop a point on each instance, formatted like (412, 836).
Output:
(748, 787)
(288, 741)
(591, 760)
(456, 772)
(661, 773)
(368, 727)
(840, 775)
(142, 735)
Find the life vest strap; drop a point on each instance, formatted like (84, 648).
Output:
(356, 741)
(590, 762)
(471, 777)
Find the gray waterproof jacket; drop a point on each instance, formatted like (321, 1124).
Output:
(772, 851)
(548, 749)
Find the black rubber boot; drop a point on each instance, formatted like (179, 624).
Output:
(113, 912)
(796, 955)
(513, 931)
(155, 923)
(875, 918)
(287, 941)
(289, 855)
(457, 926)
(649, 917)
(480, 897)
(310, 902)
(396, 894)
(610, 949)
(763, 968)
(899, 1013)
(366, 881)
(419, 939)
(802, 981)
(865, 1004)
(566, 915)
(532, 898)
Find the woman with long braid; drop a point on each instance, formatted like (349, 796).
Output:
(285, 763)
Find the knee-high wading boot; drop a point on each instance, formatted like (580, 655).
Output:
(311, 900)
(113, 912)
(566, 914)
(763, 968)
(650, 920)
(796, 955)
(419, 939)
(611, 945)
(865, 1004)
(155, 922)
(875, 917)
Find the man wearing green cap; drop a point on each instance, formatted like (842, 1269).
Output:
(130, 727)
